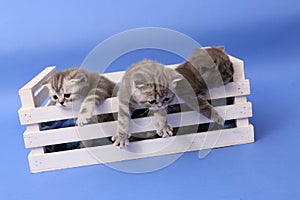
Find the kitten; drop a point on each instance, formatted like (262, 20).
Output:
(206, 68)
(73, 85)
(149, 84)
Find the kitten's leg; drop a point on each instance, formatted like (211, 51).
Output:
(162, 127)
(209, 111)
(95, 97)
(124, 116)
(204, 108)
(198, 103)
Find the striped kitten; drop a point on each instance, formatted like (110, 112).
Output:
(77, 85)
(206, 68)
(147, 84)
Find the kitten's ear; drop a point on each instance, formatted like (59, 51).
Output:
(175, 76)
(222, 48)
(139, 80)
(80, 78)
(46, 83)
(199, 58)
(175, 81)
(202, 60)
(197, 53)
(138, 84)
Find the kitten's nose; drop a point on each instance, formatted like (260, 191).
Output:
(159, 104)
(61, 103)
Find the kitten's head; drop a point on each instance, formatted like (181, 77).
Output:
(68, 86)
(157, 92)
(223, 63)
(153, 96)
(214, 63)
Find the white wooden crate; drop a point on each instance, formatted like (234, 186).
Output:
(33, 113)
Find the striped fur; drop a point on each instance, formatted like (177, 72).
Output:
(206, 68)
(79, 86)
(147, 84)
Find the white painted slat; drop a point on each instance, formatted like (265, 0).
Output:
(148, 148)
(27, 99)
(232, 89)
(94, 131)
(36, 81)
(38, 150)
(242, 121)
(27, 92)
(238, 66)
(51, 113)
(41, 95)
(234, 59)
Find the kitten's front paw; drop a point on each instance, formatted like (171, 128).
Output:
(83, 119)
(218, 119)
(166, 131)
(120, 140)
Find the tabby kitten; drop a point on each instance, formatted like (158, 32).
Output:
(149, 84)
(77, 85)
(206, 68)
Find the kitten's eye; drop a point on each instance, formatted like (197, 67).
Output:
(152, 101)
(55, 97)
(166, 99)
(67, 95)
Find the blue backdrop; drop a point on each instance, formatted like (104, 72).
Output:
(265, 34)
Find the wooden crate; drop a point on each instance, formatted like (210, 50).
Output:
(34, 112)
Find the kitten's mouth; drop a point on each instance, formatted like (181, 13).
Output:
(62, 105)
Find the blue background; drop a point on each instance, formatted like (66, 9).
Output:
(265, 34)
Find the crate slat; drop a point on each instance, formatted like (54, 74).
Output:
(137, 150)
(41, 95)
(51, 113)
(239, 72)
(94, 131)
(38, 80)
(243, 121)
